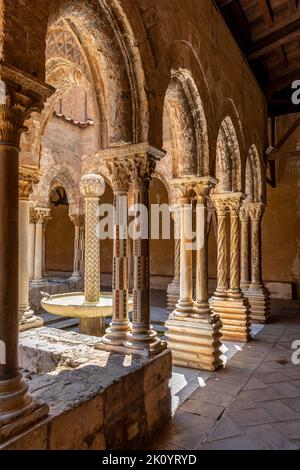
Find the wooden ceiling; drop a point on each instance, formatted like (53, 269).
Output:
(268, 33)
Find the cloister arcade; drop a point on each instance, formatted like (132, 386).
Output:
(98, 89)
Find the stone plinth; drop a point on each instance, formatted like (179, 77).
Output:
(195, 342)
(235, 318)
(97, 399)
(259, 300)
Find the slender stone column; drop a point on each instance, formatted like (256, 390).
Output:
(222, 285)
(142, 336)
(193, 331)
(230, 305)
(258, 294)
(173, 291)
(185, 304)
(31, 242)
(235, 289)
(245, 255)
(17, 408)
(78, 221)
(92, 187)
(27, 318)
(41, 214)
(119, 327)
(201, 305)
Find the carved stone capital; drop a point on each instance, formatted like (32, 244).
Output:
(19, 96)
(189, 187)
(244, 213)
(256, 211)
(228, 201)
(118, 171)
(92, 186)
(27, 178)
(142, 168)
(41, 215)
(77, 219)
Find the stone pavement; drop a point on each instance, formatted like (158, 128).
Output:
(251, 403)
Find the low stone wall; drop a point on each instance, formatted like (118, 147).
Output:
(97, 399)
(55, 286)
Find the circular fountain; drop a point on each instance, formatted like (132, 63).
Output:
(91, 306)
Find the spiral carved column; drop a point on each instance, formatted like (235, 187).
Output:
(231, 305)
(257, 293)
(92, 187)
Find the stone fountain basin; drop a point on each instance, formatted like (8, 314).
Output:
(72, 304)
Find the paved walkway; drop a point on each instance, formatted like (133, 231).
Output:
(252, 403)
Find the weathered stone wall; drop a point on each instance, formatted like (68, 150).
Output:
(281, 223)
(98, 400)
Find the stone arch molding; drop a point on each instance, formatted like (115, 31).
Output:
(253, 176)
(184, 111)
(228, 158)
(58, 175)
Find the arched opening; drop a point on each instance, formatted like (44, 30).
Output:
(59, 236)
(253, 180)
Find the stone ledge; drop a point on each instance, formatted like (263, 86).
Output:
(97, 399)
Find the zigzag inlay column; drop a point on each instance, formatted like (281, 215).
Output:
(245, 255)
(119, 327)
(142, 336)
(92, 187)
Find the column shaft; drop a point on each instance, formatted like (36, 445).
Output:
(245, 255)
(201, 302)
(117, 333)
(234, 254)
(221, 254)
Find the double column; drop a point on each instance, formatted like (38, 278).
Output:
(230, 303)
(27, 319)
(193, 331)
(17, 408)
(40, 217)
(142, 336)
(78, 221)
(116, 334)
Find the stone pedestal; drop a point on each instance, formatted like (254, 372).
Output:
(193, 331)
(230, 304)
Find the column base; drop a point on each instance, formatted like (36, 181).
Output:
(195, 342)
(173, 294)
(142, 339)
(31, 322)
(259, 300)
(18, 410)
(184, 308)
(38, 282)
(75, 277)
(92, 326)
(235, 317)
(116, 334)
